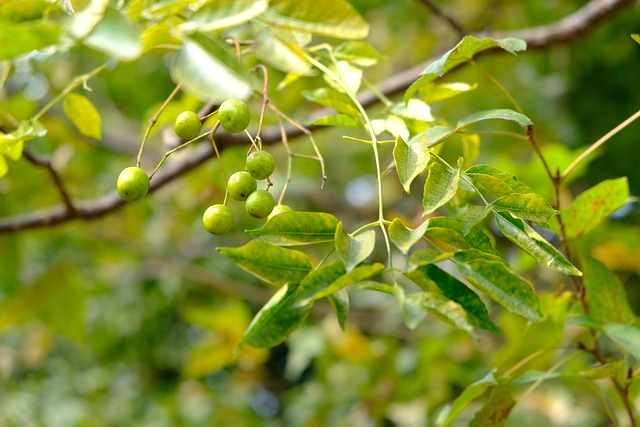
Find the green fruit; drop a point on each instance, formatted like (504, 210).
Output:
(188, 125)
(217, 219)
(260, 164)
(260, 204)
(279, 209)
(241, 185)
(234, 115)
(133, 184)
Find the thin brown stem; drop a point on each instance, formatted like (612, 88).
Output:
(265, 97)
(453, 23)
(45, 163)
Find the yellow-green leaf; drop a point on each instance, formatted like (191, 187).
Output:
(83, 115)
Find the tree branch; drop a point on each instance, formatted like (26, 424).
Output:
(568, 28)
(453, 23)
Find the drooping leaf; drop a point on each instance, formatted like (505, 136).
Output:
(274, 265)
(115, 36)
(627, 337)
(278, 53)
(358, 52)
(593, 206)
(490, 180)
(333, 99)
(472, 216)
(330, 18)
(527, 239)
(411, 159)
(427, 256)
(415, 109)
(460, 54)
(469, 394)
(432, 92)
(443, 308)
(354, 249)
(297, 228)
(449, 230)
(340, 303)
(495, 411)
(403, 237)
(429, 275)
(606, 295)
(526, 206)
(319, 279)
(502, 114)
(440, 187)
(223, 14)
(491, 275)
(19, 38)
(358, 275)
(83, 115)
(207, 73)
(276, 320)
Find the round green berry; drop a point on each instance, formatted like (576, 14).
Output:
(133, 184)
(241, 185)
(188, 125)
(260, 164)
(234, 115)
(280, 209)
(260, 204)
(217, 219)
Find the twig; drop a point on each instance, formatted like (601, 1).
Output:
(45, 163)
(457, 26)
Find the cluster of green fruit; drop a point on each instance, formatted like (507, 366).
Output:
(234, 117)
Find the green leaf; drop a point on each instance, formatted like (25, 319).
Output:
(502, 114)
(527, 239)
(636, 37)
(445, 309)
(356, 276)
(340, 303)
(491, 180)
(275, 321)
(491, 275)
(11, 144)
(83, 115)
(272, 264)
(593, 206)
(449, 230)
(358, 53)
(627, 337)
(330, 18)
(430, 276)
(19, 38)
(354, 249)
(495, 411)
(331, 98)
(278, 53)
(470, 148)
(297, 228)
(437, 134)
(115, 36)
(472, 216)
(164, 9)
(440, 187)
(469, 394)
(526, 206)
(606, 295)
(411, 159)
(206, 73)
(223, 14)
(432, 92)
(460, 54)
(403, 237)
(337, 120)
(414, 109)
(319, 279)
(427, 256)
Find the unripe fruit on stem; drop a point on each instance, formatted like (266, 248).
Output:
(217, 219)
(241, 185)
(260, 204)
(260, 164)
(280, 209)
(234, 115)
(188, 125)
(133, 184)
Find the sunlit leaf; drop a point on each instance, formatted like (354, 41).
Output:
(359, 53)
(330, 18)
(83, 22)
(411, 159)
(495, 411)
(353, 277)
(19, 38)
(502, 114)
(491, 180)
(223, 14)
(164, 9)
(491, 275)
(627, 337)
(440, 187)
(605, 293)
(443, 308)
(207, 73)
(276, 320)
(526, 206)
(636, 37)
(115, 36)
(469, 394)
(278, 53)
(83, 115)
(449, 230)
(430, 276)
(470, 148)
(403, 237)
(415, 109)
(354, 249)
(594, 206)
(332, 99)
(432, 92)
(472, 216)
(340, 303)
(461, 53)
(527, 239)
(274, 265)
(297, 228)
(337, 120)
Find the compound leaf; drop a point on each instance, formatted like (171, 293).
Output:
(297, 228)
